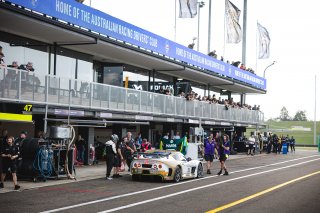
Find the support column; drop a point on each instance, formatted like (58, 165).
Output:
(54, 58)
(243, 99)
(149, 81)
(88, 135)
(153, 72)
(175, 92)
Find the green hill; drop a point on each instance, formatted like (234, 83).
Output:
(299, 133)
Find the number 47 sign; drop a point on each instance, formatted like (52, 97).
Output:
(27, 107)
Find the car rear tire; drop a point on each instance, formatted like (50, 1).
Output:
(177, 175)
(200, 171)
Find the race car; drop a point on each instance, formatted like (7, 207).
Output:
(169, 165)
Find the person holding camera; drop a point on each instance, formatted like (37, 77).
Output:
(224, 152)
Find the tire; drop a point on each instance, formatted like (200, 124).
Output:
(177, 175)
(200, 171)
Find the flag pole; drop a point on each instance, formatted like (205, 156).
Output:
(244, 37)
(224, 30)
(315, 112)
(257, 48)
(175, 21)
(209, 27)
(198, 39)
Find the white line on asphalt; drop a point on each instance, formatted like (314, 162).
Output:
(201, 187)
(166, 186)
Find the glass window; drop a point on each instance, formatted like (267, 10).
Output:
(85, 71)
(113, 75)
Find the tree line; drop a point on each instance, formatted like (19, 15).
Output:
(299, 116)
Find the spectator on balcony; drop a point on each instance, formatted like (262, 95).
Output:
(181, 94)
(80, 1)
(221, 59)
(161, 90)
(28, 67)
(243, 67)
(254, 107)
(191, 46)
(213, 54)
(11, 76)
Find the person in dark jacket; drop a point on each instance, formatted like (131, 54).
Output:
(80, 145)
(111, 152)
(10, 154)
(292, 144)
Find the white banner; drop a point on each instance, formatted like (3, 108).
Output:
(264, 42)
(188, 8)
(234, 32)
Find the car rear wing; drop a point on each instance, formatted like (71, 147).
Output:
(151, 155)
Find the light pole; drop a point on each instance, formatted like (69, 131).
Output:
(200, 5)
(264, 72)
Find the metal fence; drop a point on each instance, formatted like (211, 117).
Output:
(24, 86)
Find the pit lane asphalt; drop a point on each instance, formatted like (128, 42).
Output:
(293, 197)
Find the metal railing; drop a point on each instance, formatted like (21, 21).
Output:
(24, 86)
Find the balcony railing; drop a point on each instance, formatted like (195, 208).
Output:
(23, 86)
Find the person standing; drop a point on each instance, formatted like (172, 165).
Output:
(269, 145)
(3, 144)
(138, 142)
(118, 159)
(80, 144)
(292, 144)
(279, 146)
(209, 151)
(224, 152)
(177, 136)
(260, 142)
(9, 155)
(251, 144)
(110, 154)
(166, 136)
(145, 145)
(130, 149)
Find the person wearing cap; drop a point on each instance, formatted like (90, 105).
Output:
(110, 154)
(209, 151)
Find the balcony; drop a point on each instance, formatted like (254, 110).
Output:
(28, 87)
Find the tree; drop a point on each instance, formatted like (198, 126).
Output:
(284, 114)
(300, 116)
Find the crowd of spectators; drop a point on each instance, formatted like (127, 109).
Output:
(211, 99)
(233, 63)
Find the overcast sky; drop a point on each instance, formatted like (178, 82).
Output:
(295, 42)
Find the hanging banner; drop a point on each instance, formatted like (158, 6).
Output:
(87, 17)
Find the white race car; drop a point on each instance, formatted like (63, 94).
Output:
(169, 165)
